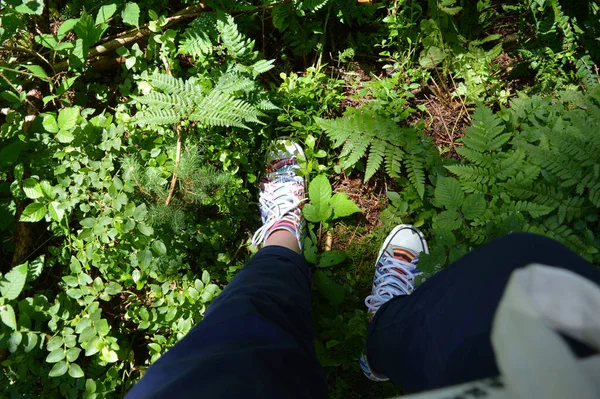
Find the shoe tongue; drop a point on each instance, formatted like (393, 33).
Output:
(401, 253)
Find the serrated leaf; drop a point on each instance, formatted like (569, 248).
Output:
(343, 206)
(67, 118)
(12, 283)
(56, 211)
(64, 136)
(473, 206)
(319, 191)
(59, 369)
(35, 268)
(32, 188)
(131, 14)
(448, 193)
(33, 213)
(7, 314)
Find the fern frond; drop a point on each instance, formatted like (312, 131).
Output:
(238, 47)
(416, 173)
(195, 43)
(262, 66)
(221, 109)
(266, 105)
(376, 155)
(393, 159)
(234, 82)
(313, 5)
(158, 117)
(157, 99)
(166, 83)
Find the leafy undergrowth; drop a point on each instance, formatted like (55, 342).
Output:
(128, 160)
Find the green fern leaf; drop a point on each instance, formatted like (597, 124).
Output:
(416, 173)
(376, 155)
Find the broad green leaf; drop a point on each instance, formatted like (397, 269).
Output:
(71, 281)
(32, 340)
(67, 118)
(310, 250)
(109, 356)
(14, 341)
(56, 211)
(431, 57)
(88, 222)
(55, 343)
(64, 136)
(56, 355)
(13, 282)
(66, 27)
(73, 354)
(343, 206)
(145, 230)
(105, 13)
(50, 124)
(47, 189)
(7, 313)
(140, 212)
(75, 370)
(11, 97)
(448, 193)
(131, 14)
(319, 191)
(34, 213)
(331, 258)
(74, 293)
(328, 288)
(87, 334)
(31, 7)
(10, 151)
(32, 188)
(75, 265)
(159, 247)
(38, 71)
(59, 369)
(113, 288)
(205, 277)
(473, 206)
(90, 386)
(93, 346)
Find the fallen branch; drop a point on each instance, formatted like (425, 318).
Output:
(134, 35)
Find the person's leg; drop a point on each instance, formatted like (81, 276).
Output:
(256, 339)
(440, 334)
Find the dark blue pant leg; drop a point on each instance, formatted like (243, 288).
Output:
(440, 335)
(256, 339)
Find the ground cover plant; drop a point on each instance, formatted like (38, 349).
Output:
(129, 142)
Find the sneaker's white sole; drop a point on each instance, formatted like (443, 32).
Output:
(392, 233)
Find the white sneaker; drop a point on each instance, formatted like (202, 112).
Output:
(282, 192)
(395, 272)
